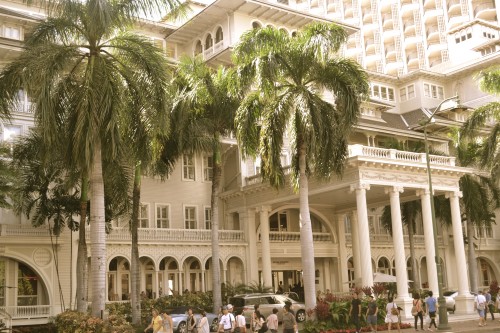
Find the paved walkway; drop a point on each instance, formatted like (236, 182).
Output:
(461, 323)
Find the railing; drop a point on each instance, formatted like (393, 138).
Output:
(208, 52)
(23, 230)
(218, 46)
(27, 312)
(398, 155)
(291, 236)
(160, 235)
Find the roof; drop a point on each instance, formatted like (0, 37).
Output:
(262, 10)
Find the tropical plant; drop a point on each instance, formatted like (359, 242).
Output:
(7, 176)
(207, 94)
(290, 75)
(81, 66)
(487, 117)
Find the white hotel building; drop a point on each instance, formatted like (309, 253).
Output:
(417, 54)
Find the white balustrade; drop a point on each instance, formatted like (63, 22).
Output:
(218, 46)
(172, 235)
(208, 52)
(27, 312)
(23, 230)
(294, 236)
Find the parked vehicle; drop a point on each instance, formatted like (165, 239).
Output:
(267, 302)
(179, 318)
(450, 299)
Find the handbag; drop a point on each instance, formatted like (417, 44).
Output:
(414, 310)
(394, 310)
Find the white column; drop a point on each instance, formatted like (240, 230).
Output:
(430, 251)
(364, 236)
(203, 289)
(342, 259)
(156, 287)
(458, 242)
(355, 245)
(398, 241)
(252, 259)
(266, 246)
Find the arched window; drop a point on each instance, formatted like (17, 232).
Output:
(198, 49)
(383, 266)
(219, 35)
(283, 30)
(209, 42)
(256, 25)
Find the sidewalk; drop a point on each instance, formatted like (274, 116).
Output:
(463, 323)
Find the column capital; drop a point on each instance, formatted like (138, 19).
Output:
(359, 186)
(422, 192)
(394, 189)
(453, 194)
(263, 209)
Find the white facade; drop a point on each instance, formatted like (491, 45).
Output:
(417, 53)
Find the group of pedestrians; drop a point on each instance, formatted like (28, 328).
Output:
(484, 303)
(371, 312)
(162, 323)
(229, 323)
(419, 311)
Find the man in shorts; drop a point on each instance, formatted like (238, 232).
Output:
(371, 314)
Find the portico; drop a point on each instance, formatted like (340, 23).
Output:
(376, 177)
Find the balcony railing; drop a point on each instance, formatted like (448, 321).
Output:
(27, 312)
(294, 236)
(172, 235)
(398, 155)
(23, 230)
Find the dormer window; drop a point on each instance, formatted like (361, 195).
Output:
(208, 42)
(256, 25)
(219, 35)
(198, 48)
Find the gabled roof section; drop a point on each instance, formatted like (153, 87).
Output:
(19, 14)
(260, 9)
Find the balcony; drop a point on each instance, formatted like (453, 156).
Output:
(456, 20)
(367, 17)
(454, 6)
(387, 21)
(429, 4)
(407, 7)
(23, 230)
(434, 47)
(485, 11)
(411, 57)
(27, 312)
(431, 15)
(432, 31)
(382, 155)
(289, 236)
(153, 235)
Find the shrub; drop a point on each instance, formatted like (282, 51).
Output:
(77, 322)
(323, 311)
(117, 324)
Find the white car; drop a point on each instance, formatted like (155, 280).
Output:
(450, 300)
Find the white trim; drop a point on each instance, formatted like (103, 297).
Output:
(139, 217)
(205, 207)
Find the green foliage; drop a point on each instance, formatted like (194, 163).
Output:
(77, 322)
(315, 326)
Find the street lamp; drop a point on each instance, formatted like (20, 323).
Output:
(443, 311)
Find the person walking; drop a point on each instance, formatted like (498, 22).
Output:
(497, 302)
(480, 305)
(371, 314)
(490, 305)
(252, 321)
(417, 311)
(168, 325)
(392, 316)
(156, 322)
(203, 325)
(355, 311)
(191, 322)
(240, 325)
(288, 320)
(272, 321)
(225, 324)
(258, 322)
(431, 305)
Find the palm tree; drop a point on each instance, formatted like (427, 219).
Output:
(144, 132)
(488, 114)
(7, 176)
(290, 75)
(207, 95)
(480, 197)
(82, 62)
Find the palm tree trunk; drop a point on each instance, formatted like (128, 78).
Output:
(415, 276)
(97, 234)
(471, 252)
(82, 259)
(306, 238)
(135, 278)
(217, 172)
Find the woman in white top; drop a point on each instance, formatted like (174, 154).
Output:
(203, 325)
(392, 317)
(240, 324)
(258, 321)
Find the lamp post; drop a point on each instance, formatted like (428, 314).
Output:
(443, 311)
